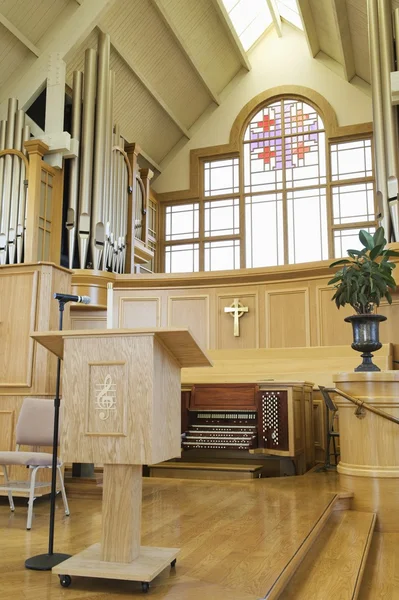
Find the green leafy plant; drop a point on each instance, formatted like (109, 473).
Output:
(366, 276)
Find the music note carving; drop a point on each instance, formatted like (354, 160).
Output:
(105, 397)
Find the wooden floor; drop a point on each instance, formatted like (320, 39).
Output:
(228, 533)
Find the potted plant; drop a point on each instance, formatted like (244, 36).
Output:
(362, 281)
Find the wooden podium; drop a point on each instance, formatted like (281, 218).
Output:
(121, 407)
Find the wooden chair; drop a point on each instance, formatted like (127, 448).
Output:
(34, 428)
(331, 434)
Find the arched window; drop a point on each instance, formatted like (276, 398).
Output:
(291, 193)
(285, 184)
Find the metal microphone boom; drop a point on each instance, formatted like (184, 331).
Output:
(70, 298)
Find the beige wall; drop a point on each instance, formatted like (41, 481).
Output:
(275, 62)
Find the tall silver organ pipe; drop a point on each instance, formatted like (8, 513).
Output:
(86, 154)
(13, 175)
(74, 166)
(99, 182)
(386, 47)
(100, 150)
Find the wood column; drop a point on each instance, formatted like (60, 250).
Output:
(121, 524)
(132, 151)
(36, 150)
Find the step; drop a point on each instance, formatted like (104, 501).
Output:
(186, 470)
(334, 565)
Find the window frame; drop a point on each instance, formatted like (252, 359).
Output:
(333, 135)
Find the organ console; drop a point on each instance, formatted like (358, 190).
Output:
(273, 419)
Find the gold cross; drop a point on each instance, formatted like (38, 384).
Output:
(236, 310)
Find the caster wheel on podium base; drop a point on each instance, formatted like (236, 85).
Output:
(65, 580)
(145, 586)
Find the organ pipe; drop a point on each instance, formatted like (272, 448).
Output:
(15, 185)
(375, 67)
(7, 181)
(390, 120)
(86, 154)
(100, 150)
(74, 166)
(23, 199)
(101, 179)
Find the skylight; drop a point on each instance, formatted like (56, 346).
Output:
(251, 18)
(289, 11)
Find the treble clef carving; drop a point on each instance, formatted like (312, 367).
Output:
(105, 400)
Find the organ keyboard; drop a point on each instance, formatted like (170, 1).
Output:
(221, 430)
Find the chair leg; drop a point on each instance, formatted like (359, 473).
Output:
(9, 492)
(31, 497)
(64, 498)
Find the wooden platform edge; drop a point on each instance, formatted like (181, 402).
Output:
(291, 567)
(364, 557)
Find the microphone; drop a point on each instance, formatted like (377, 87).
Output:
(69, 298)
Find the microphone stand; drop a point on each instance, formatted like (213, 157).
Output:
(45, 562)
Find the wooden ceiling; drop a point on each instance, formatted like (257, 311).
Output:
(172, 58)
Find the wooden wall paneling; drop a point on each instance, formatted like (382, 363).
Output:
(84, 319)
(138, 312)
(249, 322)
(331, 327)
(224, 396)
(287, 318)
(192, 312)
(18, 304)
(389, 330)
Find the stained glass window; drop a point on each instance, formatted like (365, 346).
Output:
(285, 150)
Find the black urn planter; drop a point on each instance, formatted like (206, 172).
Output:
(366, 338)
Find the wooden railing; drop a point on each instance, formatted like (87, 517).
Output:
(361, 404)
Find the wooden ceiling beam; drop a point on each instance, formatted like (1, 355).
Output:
(184, 48)
(309, 27)
(27, 82)
(344, 38)
(19, 35)
(275, 14)
(148, 86)
(231, 32)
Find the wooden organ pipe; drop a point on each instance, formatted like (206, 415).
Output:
(86, 154)
(74, 166)
(23, 199)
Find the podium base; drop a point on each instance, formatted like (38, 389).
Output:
(150, 562)
(45, 562)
